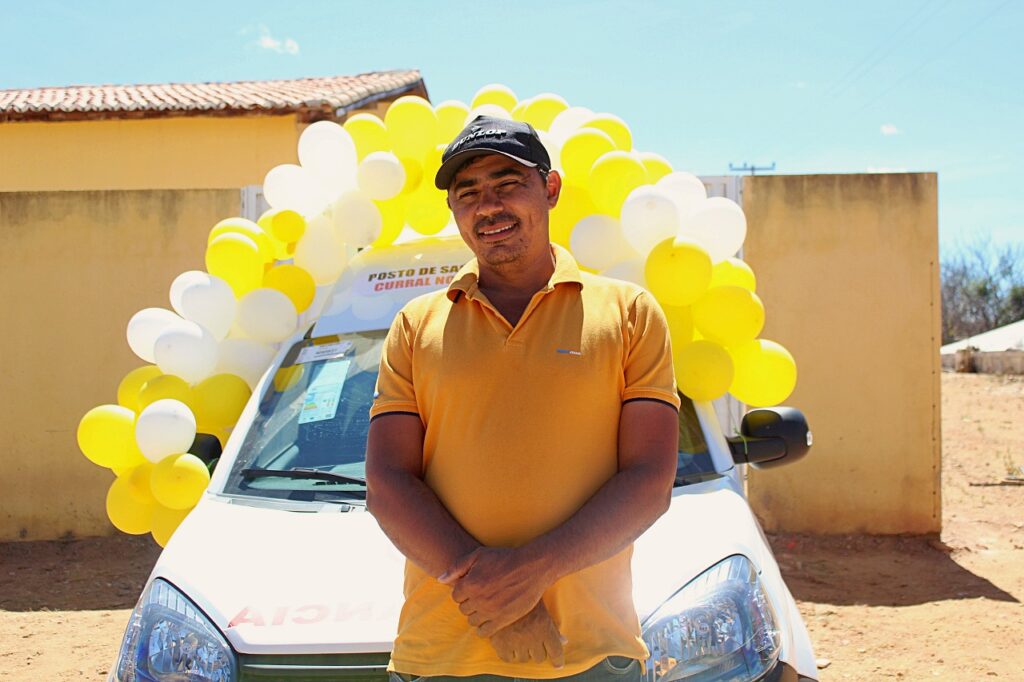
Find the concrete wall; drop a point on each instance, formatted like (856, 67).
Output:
(848, 268)
(157, 153)
(77, 266)
(994, 362)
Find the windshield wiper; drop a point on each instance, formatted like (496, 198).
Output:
(302, 472)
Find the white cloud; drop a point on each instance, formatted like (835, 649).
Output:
(269, 42)
(889, 129)
(885, 169)
(799, 85)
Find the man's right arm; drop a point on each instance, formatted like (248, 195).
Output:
(407, 510)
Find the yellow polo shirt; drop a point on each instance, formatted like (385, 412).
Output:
(521, 430)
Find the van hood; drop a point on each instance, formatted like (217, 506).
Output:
(326, 581)
(282, 581)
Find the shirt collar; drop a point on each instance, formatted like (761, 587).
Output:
(467, 279)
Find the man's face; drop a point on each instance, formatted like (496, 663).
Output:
(501, 208)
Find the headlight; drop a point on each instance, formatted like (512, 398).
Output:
(168, 639)
(720, 627)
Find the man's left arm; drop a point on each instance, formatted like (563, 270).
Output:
(496, 586)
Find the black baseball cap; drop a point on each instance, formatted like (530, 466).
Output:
(489, 135)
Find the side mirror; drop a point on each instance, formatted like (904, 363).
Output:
(771, 436)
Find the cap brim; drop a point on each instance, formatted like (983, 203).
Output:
(447, 171)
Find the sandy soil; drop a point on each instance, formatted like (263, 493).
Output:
(876, 607)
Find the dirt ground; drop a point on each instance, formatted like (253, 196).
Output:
(876, 607)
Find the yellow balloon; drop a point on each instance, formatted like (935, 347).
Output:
(248, 228)
(392, 213)
(657, 166)
(284, 225)
(451, 119)
(495, 93)
(703, 369)
(427, 211)
(369, 134)
(126, 511)
(414, 175)
(128, 389)
(106, 435)
(519, 112)
(286, 378)
(733, 272)
(164, 387)
(236, 259)
(219, 401)
(615, 128)
(677, 272)
(765, 373)
(293, 282)
(574, 204)
(613, 176)
(729, 315)
(680, 324)
(138, 481)
(581, 150)
(165, 522)
(412, 127)
(178, 481)
(542, 109)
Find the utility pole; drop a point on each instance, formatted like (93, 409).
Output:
(747, 167)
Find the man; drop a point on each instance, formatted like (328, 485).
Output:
(524, 435)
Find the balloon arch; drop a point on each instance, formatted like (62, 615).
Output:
(623, 213)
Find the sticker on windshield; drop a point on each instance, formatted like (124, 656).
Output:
(323, 351)
(323, 394)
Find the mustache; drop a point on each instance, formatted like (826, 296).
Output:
(484, 223)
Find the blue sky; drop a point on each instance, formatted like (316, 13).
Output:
(816, 87)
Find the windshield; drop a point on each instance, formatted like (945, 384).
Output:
(694, 464)
(308, 438)
(312, 422)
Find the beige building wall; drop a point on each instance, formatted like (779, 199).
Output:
(154, 153)
(77, 266)
(848, 267)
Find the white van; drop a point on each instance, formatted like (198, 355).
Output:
(280, 574)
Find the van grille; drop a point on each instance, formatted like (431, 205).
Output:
(313, 667)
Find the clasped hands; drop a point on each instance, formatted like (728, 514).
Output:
(500, 594)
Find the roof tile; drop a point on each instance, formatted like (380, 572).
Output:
(277, 96)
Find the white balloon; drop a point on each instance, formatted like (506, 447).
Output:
(296, 188)
(357, 220)
(246, 358)
(381, 175)
(628, 271)
(165, 427)
(320, 253)
(597, 242)
(204, 299)
(372, 307)
(186, 350)
(145, 326)
(554, 147)
(717, 224)
(326, 150)
(685, 188)
(267, 315)
(649, 215)
(317, 306)
(568, 121)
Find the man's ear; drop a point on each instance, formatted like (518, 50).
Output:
(554, 188)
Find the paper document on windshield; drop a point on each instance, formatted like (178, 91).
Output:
(323, 351)
(324, 392)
